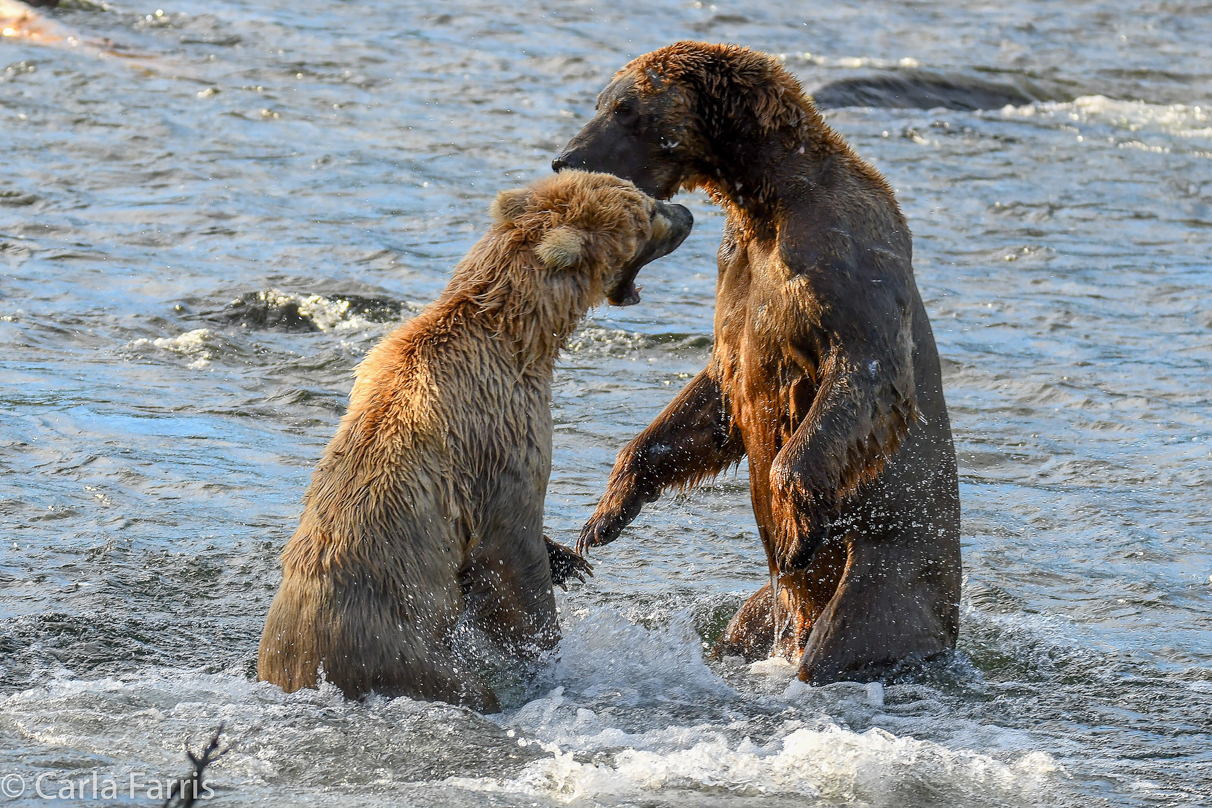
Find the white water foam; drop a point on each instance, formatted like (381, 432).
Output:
(1189, 122)
(596, 340)
(635, 712)
(328, 314)
(603, 652)
(595, 761)
(198, 346)
(870, 768)
(610, 740)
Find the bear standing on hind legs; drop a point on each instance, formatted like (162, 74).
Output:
(428, 502)
(824, 370)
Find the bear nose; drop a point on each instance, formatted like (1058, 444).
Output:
(569, 158)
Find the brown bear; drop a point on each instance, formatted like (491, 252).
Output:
(824, 370)
(428, 503)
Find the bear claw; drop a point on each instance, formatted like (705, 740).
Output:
(566, 564)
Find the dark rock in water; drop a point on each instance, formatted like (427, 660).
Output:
(41, 3)
(914, 90)
(272, 310)
(253, 310)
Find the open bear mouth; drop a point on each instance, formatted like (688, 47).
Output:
(677, 222)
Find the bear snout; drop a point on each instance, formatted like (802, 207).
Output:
(670, 225)
(681, 222)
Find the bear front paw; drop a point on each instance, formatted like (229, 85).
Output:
(566, 564)
(800, 526)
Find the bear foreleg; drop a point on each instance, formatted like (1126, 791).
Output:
(691, 440)
(566, 564)
(862, 411)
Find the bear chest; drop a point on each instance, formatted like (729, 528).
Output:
(768, 340)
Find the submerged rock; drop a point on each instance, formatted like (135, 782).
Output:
(274, 310)
(920, 90)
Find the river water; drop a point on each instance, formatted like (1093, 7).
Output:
(210, 211)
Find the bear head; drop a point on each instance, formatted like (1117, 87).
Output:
(675, 117)
(589, 235)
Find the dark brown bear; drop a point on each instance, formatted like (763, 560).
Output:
(824, 371)
(428, 502)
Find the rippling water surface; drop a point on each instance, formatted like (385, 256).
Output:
(210, 211)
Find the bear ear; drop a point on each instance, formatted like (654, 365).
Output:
(509, 205)
(561, 248)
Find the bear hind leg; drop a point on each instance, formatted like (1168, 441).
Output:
(750, 633)
(778, 619)
(432, 682)
(512, 602)
(890, 611)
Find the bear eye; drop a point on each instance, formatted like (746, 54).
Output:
(626, 112)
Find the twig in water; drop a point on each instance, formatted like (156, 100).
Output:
(184, 793)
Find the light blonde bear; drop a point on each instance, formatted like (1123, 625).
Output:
(428, 503)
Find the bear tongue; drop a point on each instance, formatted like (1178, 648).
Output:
(627, 295)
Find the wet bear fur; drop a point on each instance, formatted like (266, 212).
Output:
(428, 502)
(824, 371)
